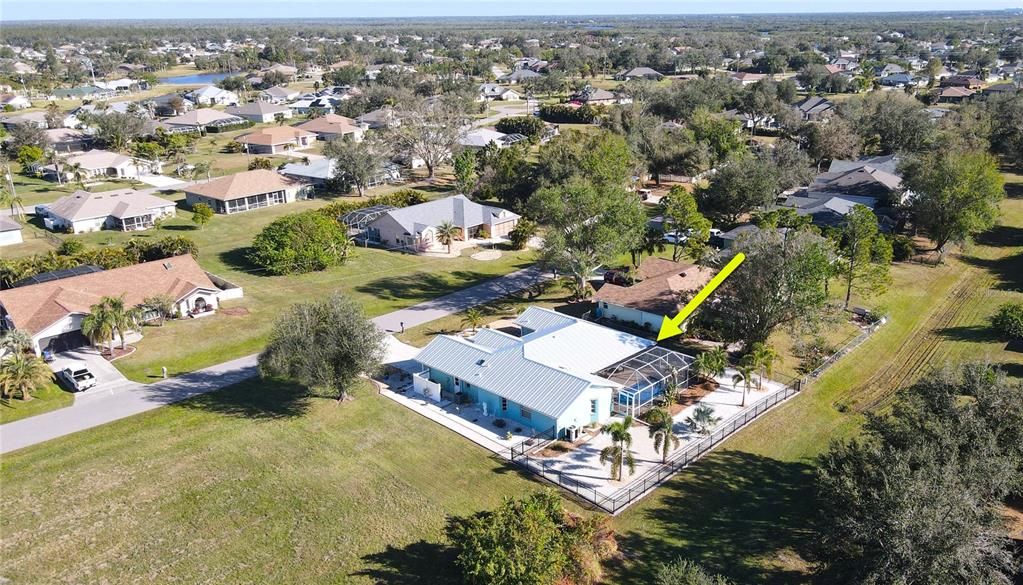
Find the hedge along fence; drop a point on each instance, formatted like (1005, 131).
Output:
(402, 198)
(562, 114)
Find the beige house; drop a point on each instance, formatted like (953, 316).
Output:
(331, 126)
(246, 191)
(415, 227)
(100, 164)
(52, 312)
(276, 139)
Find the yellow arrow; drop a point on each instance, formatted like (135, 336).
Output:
(671, 327)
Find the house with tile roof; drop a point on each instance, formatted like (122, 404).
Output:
(94, 164)
(276, 139)
(660, 289)
(124, 210)
(330, 126)
(52, 312)
(246, 191)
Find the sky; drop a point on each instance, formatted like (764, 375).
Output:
(12, 10)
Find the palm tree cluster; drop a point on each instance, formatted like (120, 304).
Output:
(20, 370)
(110, 319)
(619, 452)
(760, 362)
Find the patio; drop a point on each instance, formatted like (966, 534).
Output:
(582, 464)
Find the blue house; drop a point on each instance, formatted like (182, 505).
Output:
(557, 372)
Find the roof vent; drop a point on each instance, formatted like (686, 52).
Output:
(483, 363)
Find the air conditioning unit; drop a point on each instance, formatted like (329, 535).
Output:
(572, 433)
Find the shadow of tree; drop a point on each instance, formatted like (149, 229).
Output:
(253, 398)
(1008, 270)
(419, 562)
(978, 333)
(238, 259)
(729, 511)
(180, 228)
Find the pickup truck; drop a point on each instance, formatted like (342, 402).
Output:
(77, 378)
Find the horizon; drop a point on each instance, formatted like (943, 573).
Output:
(28, 11)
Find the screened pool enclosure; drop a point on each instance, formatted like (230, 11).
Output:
(644, 376)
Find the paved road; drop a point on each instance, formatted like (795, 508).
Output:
(130, 398)
(503, 111)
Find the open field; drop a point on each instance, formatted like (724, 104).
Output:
(258, 483)
(745, 510)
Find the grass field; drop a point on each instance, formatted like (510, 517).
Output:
(254, 484)
(745, 509)
(50, 397)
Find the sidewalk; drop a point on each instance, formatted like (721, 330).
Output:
(133, 398)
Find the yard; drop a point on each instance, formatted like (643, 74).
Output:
(755, 494)
(255, 484)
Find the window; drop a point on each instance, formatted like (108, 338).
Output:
(504, 403)
(526, 413)
(593, 407)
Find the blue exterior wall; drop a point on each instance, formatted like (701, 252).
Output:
(477, 395)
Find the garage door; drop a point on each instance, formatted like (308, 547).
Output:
(64, 341)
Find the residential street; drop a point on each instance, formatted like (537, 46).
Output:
(130, 398)
(504, 110)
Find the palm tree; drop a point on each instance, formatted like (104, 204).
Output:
(448, 232)
(661, 424)
(98, 326)
(473, 318)
(55, 161)
(744, 373)
(764, 357)
(122, 318)
(16, 341)
(162, 304)
(711, 364)
(702, 420)
(78, 174)
(23, 372)
(619, 453)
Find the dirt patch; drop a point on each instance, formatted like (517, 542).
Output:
(691, 396)
(235, 312)
(486, 255)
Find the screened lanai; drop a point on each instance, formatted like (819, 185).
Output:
(643, 377)
(357, 221)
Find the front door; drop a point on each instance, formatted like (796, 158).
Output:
(594, 411)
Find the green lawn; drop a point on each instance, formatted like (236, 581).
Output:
(50, 397)
(35, 190)
(745, 510)
(254, 484)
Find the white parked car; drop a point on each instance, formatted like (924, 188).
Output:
(77, 377)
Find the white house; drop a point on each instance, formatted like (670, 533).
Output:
(415, 227)
(245, 191)
(261, 112)
(14, 102)
(98, 164)
(10, 231)
(212, 95)
(278, 94)
(121, 209)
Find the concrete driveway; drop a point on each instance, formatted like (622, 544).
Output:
(161, 181)
(107, 376)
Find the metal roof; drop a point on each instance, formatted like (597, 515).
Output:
(360, 218)
(546, 370)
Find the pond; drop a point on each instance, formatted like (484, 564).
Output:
(197, 78)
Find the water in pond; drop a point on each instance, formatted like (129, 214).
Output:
(197, 78)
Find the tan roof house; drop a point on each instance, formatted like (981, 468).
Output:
(97, 164)
(121, 209)
(245, 191)
(276, 139)
(331, 126)
(660, 288)
(51, 312)
(278, 94)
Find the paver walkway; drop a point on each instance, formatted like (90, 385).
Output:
(133, 398)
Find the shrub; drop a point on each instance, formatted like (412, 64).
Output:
(529, 126)
(261, 163)
(299, 243)
(402, 198)
(902, 248)
(559, 114)
(70, 247)
(521, 233)
(1008, 321)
